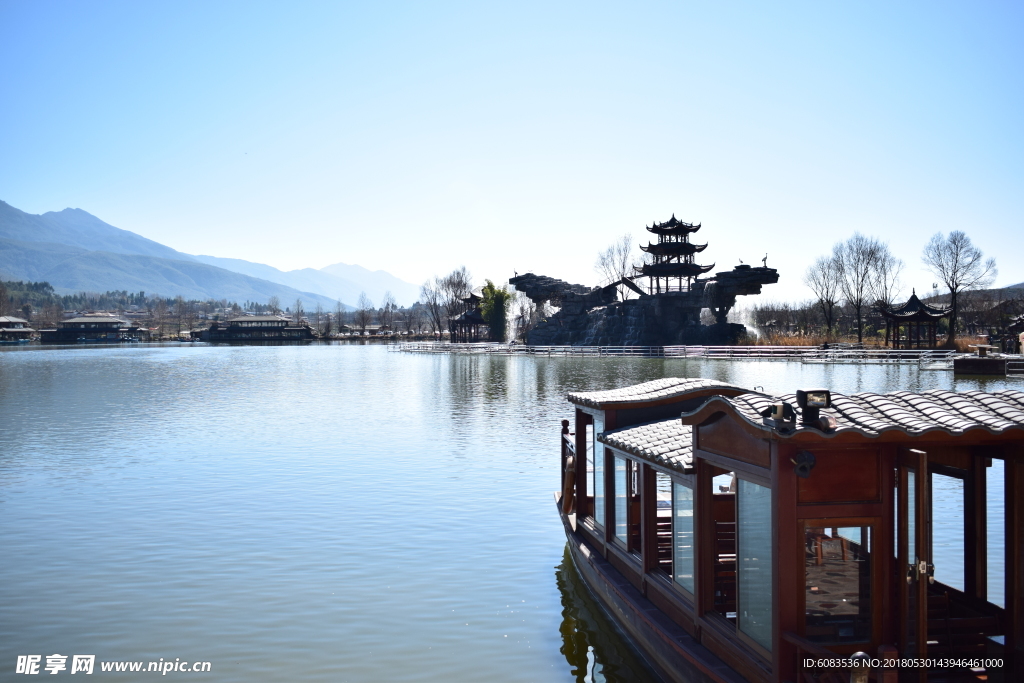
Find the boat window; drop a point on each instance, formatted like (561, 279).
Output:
(663, 488)
(682, 535)
(598, 458)
(995, 531)
(837, 574)
(723, 524)
(948, 529)
(754, 561)
(589, 440)
(621, 479)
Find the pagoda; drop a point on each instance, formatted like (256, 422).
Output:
(672, 257)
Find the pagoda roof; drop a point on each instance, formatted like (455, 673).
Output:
(915, 310)
(673, 248)
(673, 226)
(674, 269)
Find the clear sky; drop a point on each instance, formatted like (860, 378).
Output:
(520, 136)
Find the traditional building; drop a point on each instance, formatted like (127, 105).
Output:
(668, 310)
(258, 328)
(903, 324)
(90, 329)
(470, 326)
(672, 257)
(14, 330)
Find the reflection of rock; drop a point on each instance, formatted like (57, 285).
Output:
(595, 318)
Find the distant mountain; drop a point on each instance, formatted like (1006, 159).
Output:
(339, 281)
(78, 228)
(73, 269)
(375, 283)
(75, 251)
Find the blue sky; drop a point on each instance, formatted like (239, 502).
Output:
(419, 137)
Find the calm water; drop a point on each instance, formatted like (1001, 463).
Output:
(334, 513)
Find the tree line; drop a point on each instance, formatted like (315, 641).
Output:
(861, 277)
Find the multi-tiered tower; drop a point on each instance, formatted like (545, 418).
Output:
(672, 257)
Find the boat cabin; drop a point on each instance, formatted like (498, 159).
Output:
(258, 328)
(744, 534)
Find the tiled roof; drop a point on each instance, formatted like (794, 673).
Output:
(655, 390)
(95, 319)
(913, 414)
(667, 442)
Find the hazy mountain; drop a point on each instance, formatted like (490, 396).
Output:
(75, 251)
(375, 283)
(73, 269)
(343, 282)
(78, 228)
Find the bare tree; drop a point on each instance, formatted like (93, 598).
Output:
(855, 258)
(430, 297)
(274, 305)
(823, 278)
(339, 315)
(617, 262)
(4, 299)
(886, 285)
(454, 289)
(961, 266)
(387, 311)
(364, 312)
(297, 311)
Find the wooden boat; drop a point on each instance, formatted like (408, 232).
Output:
(733, 535)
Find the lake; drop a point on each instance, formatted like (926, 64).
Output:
(330, 512)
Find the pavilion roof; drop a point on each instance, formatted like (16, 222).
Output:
(915, 310)
(673, 226)
(666, 442)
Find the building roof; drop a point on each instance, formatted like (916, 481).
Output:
(872, 415)
(649, 392)
(95, 319)
(10, 320)
(666, 442)
(259, 319)
(915, 310)
(673, 226)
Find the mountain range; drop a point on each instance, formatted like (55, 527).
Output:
(75, 251)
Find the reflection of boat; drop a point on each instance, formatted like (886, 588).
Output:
(741, 535)
(590, 642)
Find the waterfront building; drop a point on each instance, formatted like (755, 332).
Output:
(741, 534)
(90, 329)
(14, 330)
(258, 328)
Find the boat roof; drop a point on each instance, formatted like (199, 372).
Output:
(666, 442)
(656, 391)
(259, 319)
(873, 415)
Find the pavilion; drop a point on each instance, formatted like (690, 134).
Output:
(903, 324)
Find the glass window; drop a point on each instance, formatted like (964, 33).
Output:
(911, 513)
(598, 456)
(682, 535)
(948, 530)
(754, 561)
(663, 488)
(837, 573)
(621, 501)
(995, 530)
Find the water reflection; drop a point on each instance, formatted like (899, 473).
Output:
(592, 647)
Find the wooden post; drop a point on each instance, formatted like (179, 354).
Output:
(975, 529)
(648, 520)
